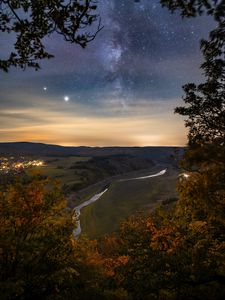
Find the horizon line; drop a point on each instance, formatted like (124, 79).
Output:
(96, 146)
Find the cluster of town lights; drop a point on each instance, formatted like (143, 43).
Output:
(11, 164)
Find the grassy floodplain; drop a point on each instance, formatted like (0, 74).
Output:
(125, 198)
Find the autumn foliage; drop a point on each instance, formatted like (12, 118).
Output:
(39, 257)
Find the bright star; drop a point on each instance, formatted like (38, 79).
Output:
(66, 98)
(45, 88)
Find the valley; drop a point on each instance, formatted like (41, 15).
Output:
(129, 177)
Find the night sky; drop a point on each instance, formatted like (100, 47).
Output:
(121, 90)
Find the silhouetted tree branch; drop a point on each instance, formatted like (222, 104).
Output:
(193, 8)
(32, 21)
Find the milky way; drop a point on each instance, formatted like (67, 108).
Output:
(134, 70)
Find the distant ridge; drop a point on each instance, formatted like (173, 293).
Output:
(29, 148)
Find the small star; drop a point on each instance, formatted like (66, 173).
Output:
(45, 88)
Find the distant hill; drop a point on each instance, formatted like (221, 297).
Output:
(39, 149)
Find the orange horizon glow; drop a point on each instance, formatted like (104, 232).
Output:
(95, 135)
(92, 146)
(148, 124)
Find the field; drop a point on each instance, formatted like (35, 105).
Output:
(60, 168)
(125, 198)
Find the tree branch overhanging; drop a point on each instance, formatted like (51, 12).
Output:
(34, 20)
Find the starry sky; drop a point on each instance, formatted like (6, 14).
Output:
(121, 90)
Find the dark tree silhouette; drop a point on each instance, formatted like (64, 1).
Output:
(193, 8)
(205, 103)
(32, 21)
